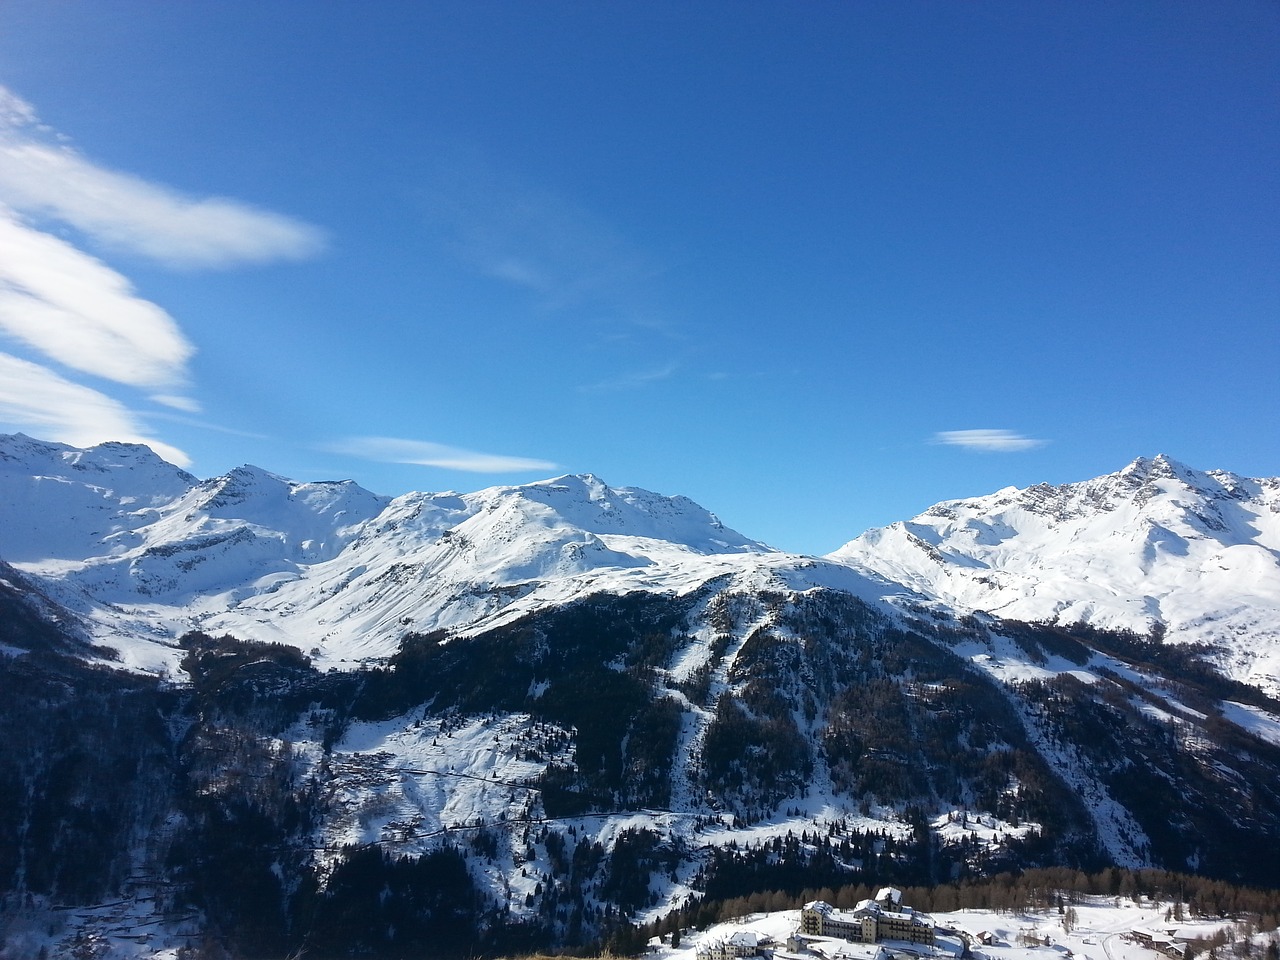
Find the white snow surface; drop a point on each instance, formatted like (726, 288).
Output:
(142, 552)
(1155, 543)
(1103, 929)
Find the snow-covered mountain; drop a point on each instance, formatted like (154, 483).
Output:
(566, 702)
(138, 548)
(64, 503)
(457, 560)
(144, 552)
(1157, 544)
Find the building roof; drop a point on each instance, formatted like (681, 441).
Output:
(834, 949)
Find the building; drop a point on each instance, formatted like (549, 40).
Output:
(853, 951)
(889, 898)
(1164, 943)
(904, 924)
(828, 949)
(820, 919)
(871, 921)
(742, 943)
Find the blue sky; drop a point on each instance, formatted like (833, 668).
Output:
(816, 266)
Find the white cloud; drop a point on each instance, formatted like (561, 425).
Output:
(426, 454)
(129, 213)
(988, 441)
(207, 425)
(81, 313)
(185, 404)
(16, 112)
(35, 398)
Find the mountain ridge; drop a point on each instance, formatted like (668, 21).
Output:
(1155, 545)
(139, 547)
(256, 553)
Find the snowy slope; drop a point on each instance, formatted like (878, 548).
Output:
(137, 548)
(470, 561)
(1100, 928)
(144, 552)
(1155, 543)
(64, 503)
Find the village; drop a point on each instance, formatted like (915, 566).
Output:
(883, 928)
(886, 928)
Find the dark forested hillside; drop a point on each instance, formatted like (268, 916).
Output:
(555, 779)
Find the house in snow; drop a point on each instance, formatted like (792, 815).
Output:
(742, 943)
(803, 947)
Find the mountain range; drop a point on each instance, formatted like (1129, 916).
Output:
(586, 705)
(143, 551)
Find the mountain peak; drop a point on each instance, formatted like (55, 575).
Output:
(585, 483)
(247, 471)
(587, 503)
(51, 458)
(1157, 542)
(1161, 466)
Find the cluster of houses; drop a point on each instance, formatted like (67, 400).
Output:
(741, 943)
(885, 928)
(879, 929)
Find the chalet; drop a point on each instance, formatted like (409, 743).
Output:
(1160, 942)
(843, 950)
(889, 898)
(742, 943)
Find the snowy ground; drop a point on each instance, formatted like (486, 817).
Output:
(1103, 929)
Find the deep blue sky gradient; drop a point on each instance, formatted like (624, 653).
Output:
(759, 254)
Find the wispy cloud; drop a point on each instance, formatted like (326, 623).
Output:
(426, 454)
(72, 309)
(78, 311)
(562, 254)
(202, 424)
(35, 396)
(634, 380)
(185, 404)
(988, 441)
(16, 113)
(52, 179)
